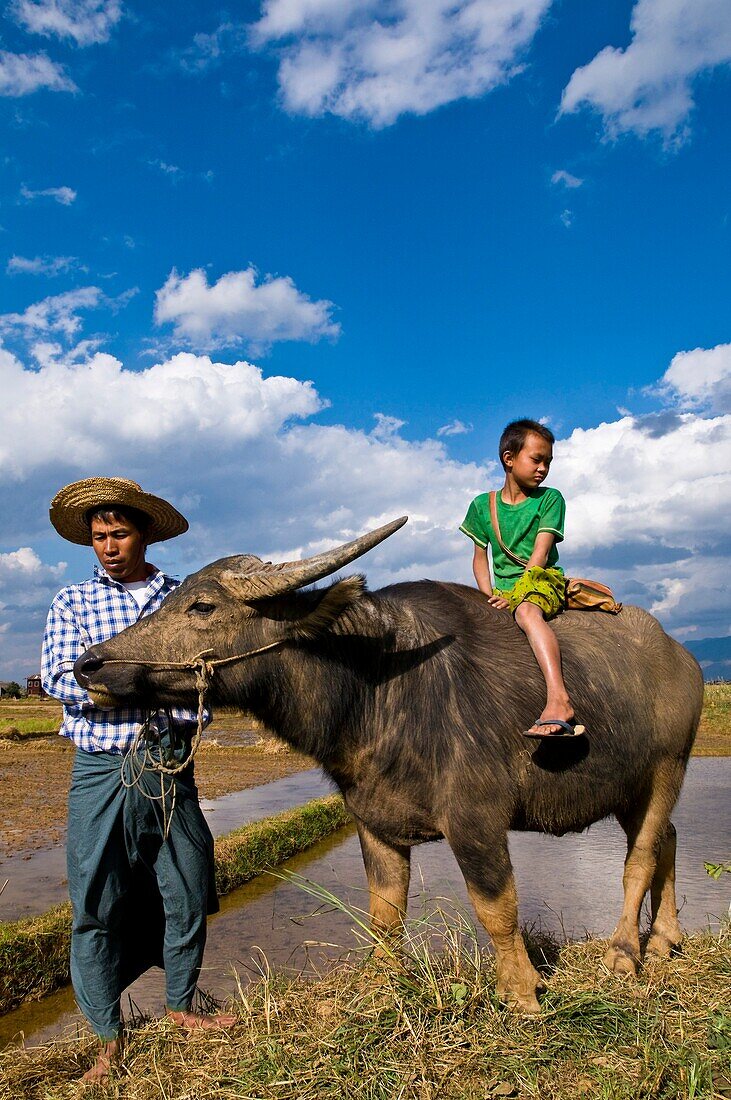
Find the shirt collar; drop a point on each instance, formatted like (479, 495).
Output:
(156, 580)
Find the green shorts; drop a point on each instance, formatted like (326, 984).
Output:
(544, 587)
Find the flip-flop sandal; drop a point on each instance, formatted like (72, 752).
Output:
(569, 729)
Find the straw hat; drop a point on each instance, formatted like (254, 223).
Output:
(71, 505)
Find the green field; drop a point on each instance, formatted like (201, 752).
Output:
(29, 716)
(421, 1023)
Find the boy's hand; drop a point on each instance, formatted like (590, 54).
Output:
(499, 602)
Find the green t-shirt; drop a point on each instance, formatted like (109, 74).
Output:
(519, 526)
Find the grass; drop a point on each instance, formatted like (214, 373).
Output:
(23, 717)
(34, 952)
(34, 956)
(20, 728)
(714, 732)
(425, 1025)
(419, 1025)
(246, 852)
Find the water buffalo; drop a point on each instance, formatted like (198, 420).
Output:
(413, 699)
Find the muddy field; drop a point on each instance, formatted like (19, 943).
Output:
(35, 770)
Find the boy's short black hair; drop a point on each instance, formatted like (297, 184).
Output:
(513, 437)
(114, 512)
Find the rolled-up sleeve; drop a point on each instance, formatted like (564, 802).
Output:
(553, 514)
(473, 527)
(63, 644)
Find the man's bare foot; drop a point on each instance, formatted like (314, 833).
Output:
(196, 1021)
(109, 1054)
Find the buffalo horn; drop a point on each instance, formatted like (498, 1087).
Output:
(264, 580)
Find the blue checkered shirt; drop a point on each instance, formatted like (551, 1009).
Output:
(83, 615)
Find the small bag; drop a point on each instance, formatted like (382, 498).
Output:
(585, 595)
(581, 594)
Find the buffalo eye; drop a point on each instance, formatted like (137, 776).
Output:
(200, 607)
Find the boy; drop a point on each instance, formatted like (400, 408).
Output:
(528, 522)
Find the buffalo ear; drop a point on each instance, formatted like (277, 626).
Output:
(337, 599)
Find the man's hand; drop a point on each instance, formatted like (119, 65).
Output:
(499, 602)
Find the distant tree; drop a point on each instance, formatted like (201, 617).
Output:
(13, 690)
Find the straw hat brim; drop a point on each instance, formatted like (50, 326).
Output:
(72, 504)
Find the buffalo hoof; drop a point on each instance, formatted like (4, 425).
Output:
(525, 1004)
(620, 960)
(661, 946)
(524, 1001)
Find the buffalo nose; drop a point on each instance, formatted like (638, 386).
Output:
(86, 665)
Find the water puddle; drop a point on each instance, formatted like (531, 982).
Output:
(37, 880)
(231, 811)
(570, 885)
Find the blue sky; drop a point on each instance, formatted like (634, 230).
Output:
(296, 263)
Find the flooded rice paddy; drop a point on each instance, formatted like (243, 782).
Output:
(569, 885)
(37, 880)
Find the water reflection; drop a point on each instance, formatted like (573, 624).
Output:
(570, 885)
(37, 880)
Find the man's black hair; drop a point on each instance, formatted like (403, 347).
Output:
(513, 437)
(114, 512)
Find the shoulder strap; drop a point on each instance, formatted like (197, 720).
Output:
(496, 529)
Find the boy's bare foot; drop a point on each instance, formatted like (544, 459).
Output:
(554, 709)
(109, 1054)
(197, 1021)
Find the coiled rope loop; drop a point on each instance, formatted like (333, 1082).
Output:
(140, 758)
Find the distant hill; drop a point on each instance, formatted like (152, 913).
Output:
(714, 657)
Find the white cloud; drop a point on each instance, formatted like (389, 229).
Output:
(239, 452)
(700, 378)
(64, 195)
(208, 50)
(649, 85)
(565, 178)
(187, 397)
(237, 311)
(48, 353)
(387, 427)
(85, 21)
(23, 73)
(567, 218)
(375, 60)
(626, 482)
(58, 313)
(455, 427)
(23, 566)
(165, 168)
(41, 265)
(27, 586)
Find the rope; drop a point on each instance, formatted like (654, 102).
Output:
(139, 758)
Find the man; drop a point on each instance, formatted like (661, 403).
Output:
(140, 854)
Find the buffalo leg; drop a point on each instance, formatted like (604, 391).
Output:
(647, 836)
(491, 886)
(665, 933)
(517, 980)
(388, 869)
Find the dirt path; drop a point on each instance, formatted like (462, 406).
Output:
(35, 775)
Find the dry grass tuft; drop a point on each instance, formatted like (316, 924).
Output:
(425, 1024)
